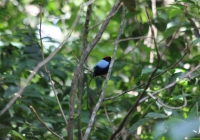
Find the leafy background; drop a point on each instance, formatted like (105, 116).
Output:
(20, 52)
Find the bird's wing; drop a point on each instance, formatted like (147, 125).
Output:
(102, 64)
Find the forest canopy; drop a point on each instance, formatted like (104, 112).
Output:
(149, 90)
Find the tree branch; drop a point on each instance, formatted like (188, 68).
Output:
(167, 45)
(38, 117)
(47, 71)
(167, 106)
(41, 64)
(81, 79)
(132, 109)
(175, 33)
(80, 67)
(105, 19)
(87, 132)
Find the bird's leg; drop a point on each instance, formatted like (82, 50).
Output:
(103, 76)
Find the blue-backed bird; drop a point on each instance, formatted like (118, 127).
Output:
(101, 68)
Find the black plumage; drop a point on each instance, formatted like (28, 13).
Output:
(101, 68)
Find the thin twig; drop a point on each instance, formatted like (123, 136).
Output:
(105, 19)
(167, 106)
(74, 56)
(194, 25)
(175, 82)
(41, 64)
(87, 132)
(196, 29)
(40, 30)
(131, 38)
(124, 92)
(175, 33)
(172, 84)
(80, 67)
(105, 110)
(153, 34)
(38, 117)
(47, 71)
(185, 53)
(88, 69)
(133, 108)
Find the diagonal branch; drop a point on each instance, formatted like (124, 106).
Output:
(167, 46)
(105, 19)
(80, 68)
(175, 82)
(175, 33)
(41, 64)
(124, 92)
(87, 132)
(170, 85)
(38, 117)
(47, 71)
(168, 106)
(133, 108)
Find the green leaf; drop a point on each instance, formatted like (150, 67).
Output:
(181, 96)
(16, 136)
(173, 78)
(159, 130)
(10, 78)
(10, 91)
(196, 41)
(155, 115)
(196, 57)
(172, 24)
(167, 111)
(4, 130)
(187, 1)
(150, 70)
(174, 12)
(195, 74)
(137, 124)
(143, 77)
(24, 108)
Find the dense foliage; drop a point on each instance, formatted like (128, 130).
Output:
(175, 80)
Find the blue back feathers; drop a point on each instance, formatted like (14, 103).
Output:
(102, 64)
(101, 68)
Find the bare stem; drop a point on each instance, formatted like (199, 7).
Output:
(38, 117)
(87, 132)
(47, 71)
(167, 45)
(133, 108)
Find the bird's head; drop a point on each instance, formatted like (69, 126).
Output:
(107, 58)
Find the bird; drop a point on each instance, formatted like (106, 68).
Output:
(101, 68)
